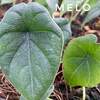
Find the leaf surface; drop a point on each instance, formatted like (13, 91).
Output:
(64, 24)
(52, 4)
(30, 49)
(82, 62)
(6, 2)
(43, 2)
(93, 13)
(93, 2)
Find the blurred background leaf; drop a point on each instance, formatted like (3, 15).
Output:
(52, 4)
(43, 2)
(93, 2)
(65, 27)
(2, 2)
(93, 13)
(71, 3)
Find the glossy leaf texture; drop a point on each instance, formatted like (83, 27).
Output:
(93, 13)
(30, 49)
(65, 25)
(82, 61)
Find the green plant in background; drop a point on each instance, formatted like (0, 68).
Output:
(93, 13)
(31, 44)
(65, 27)
(82, 62)
(2, 2)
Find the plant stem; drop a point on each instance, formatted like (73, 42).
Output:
(84, 93)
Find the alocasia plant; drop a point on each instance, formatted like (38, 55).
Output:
(30, 49)
(82, 61)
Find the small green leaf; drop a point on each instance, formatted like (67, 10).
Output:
(93, 13)
(66, 28)
(82, 61)
(30, 49)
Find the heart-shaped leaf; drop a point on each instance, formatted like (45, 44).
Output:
(30, 49)
(82, 61)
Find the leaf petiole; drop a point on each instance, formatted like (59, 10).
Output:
(84, 93)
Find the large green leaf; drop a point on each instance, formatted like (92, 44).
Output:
(64, 24)
(30, 49)
(82, 61)
(93, 13)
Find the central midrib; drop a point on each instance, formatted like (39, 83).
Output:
(29, 59)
